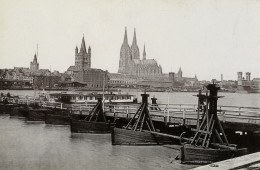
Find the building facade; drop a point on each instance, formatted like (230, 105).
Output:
(92, 78)
(246, 84)
(185, 81)
(130, 62)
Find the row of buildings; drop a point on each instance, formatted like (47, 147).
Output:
(246, 85)
(133, 72)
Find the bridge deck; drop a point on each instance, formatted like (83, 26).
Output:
(236, 118)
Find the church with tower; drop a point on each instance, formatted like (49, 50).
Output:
(131, 64)
(82, 72)
(34, 65)
(82, 56)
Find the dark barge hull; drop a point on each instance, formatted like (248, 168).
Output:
(199, 155)
(4, 109)
(57, 119)
(18, 111)
(130, 137)
(7, 108)
(22, 112)
(82, 126)
(36, 114)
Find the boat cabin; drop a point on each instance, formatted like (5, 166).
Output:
(90, 97)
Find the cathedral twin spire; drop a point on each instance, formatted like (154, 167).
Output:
(134, 47)
(130, 62)
(125, 37)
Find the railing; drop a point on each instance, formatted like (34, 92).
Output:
(82, 107)
(173, 113)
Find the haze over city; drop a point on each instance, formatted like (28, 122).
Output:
(206, 38)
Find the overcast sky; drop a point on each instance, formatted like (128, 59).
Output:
(203, 37)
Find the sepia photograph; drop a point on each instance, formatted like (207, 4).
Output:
(129, 84)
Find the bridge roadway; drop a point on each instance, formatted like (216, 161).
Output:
(234, 118)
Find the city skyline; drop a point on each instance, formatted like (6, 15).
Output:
(190, 35)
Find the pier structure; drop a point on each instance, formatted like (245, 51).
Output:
(232, 117)
(250, 161)
(138, 130)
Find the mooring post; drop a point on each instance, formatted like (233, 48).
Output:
(145, 98)
(164, 115)
(183, 116)
(154, 103)
(199, 106)
(142, 111)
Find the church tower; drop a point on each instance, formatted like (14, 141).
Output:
(125, 55)
(82, 57)
(134, 48)
(34, 65)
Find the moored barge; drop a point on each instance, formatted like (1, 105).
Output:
(210, 143)
(95, 122)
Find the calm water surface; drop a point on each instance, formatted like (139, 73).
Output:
(229, 99)
(28, 145)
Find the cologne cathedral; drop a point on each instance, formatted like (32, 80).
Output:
(131, 64)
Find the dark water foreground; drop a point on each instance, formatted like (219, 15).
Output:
(29, 145)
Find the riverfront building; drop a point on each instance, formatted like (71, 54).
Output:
(246, 84)
(186, 81)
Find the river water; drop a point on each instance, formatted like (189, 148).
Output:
(35, 145)
(28, 145)
(229, 99)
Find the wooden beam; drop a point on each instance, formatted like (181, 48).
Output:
(167, 135)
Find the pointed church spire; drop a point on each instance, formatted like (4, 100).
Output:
(76, 50)
(180, 73)
(134, 39)
(144, 53)
(37, 52)
(125, 55)
(134, 48)
(125, 37)
(35, 58)
(83, 45)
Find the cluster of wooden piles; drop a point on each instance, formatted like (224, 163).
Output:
(138, 130)
(94, 122)
(209, 144)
